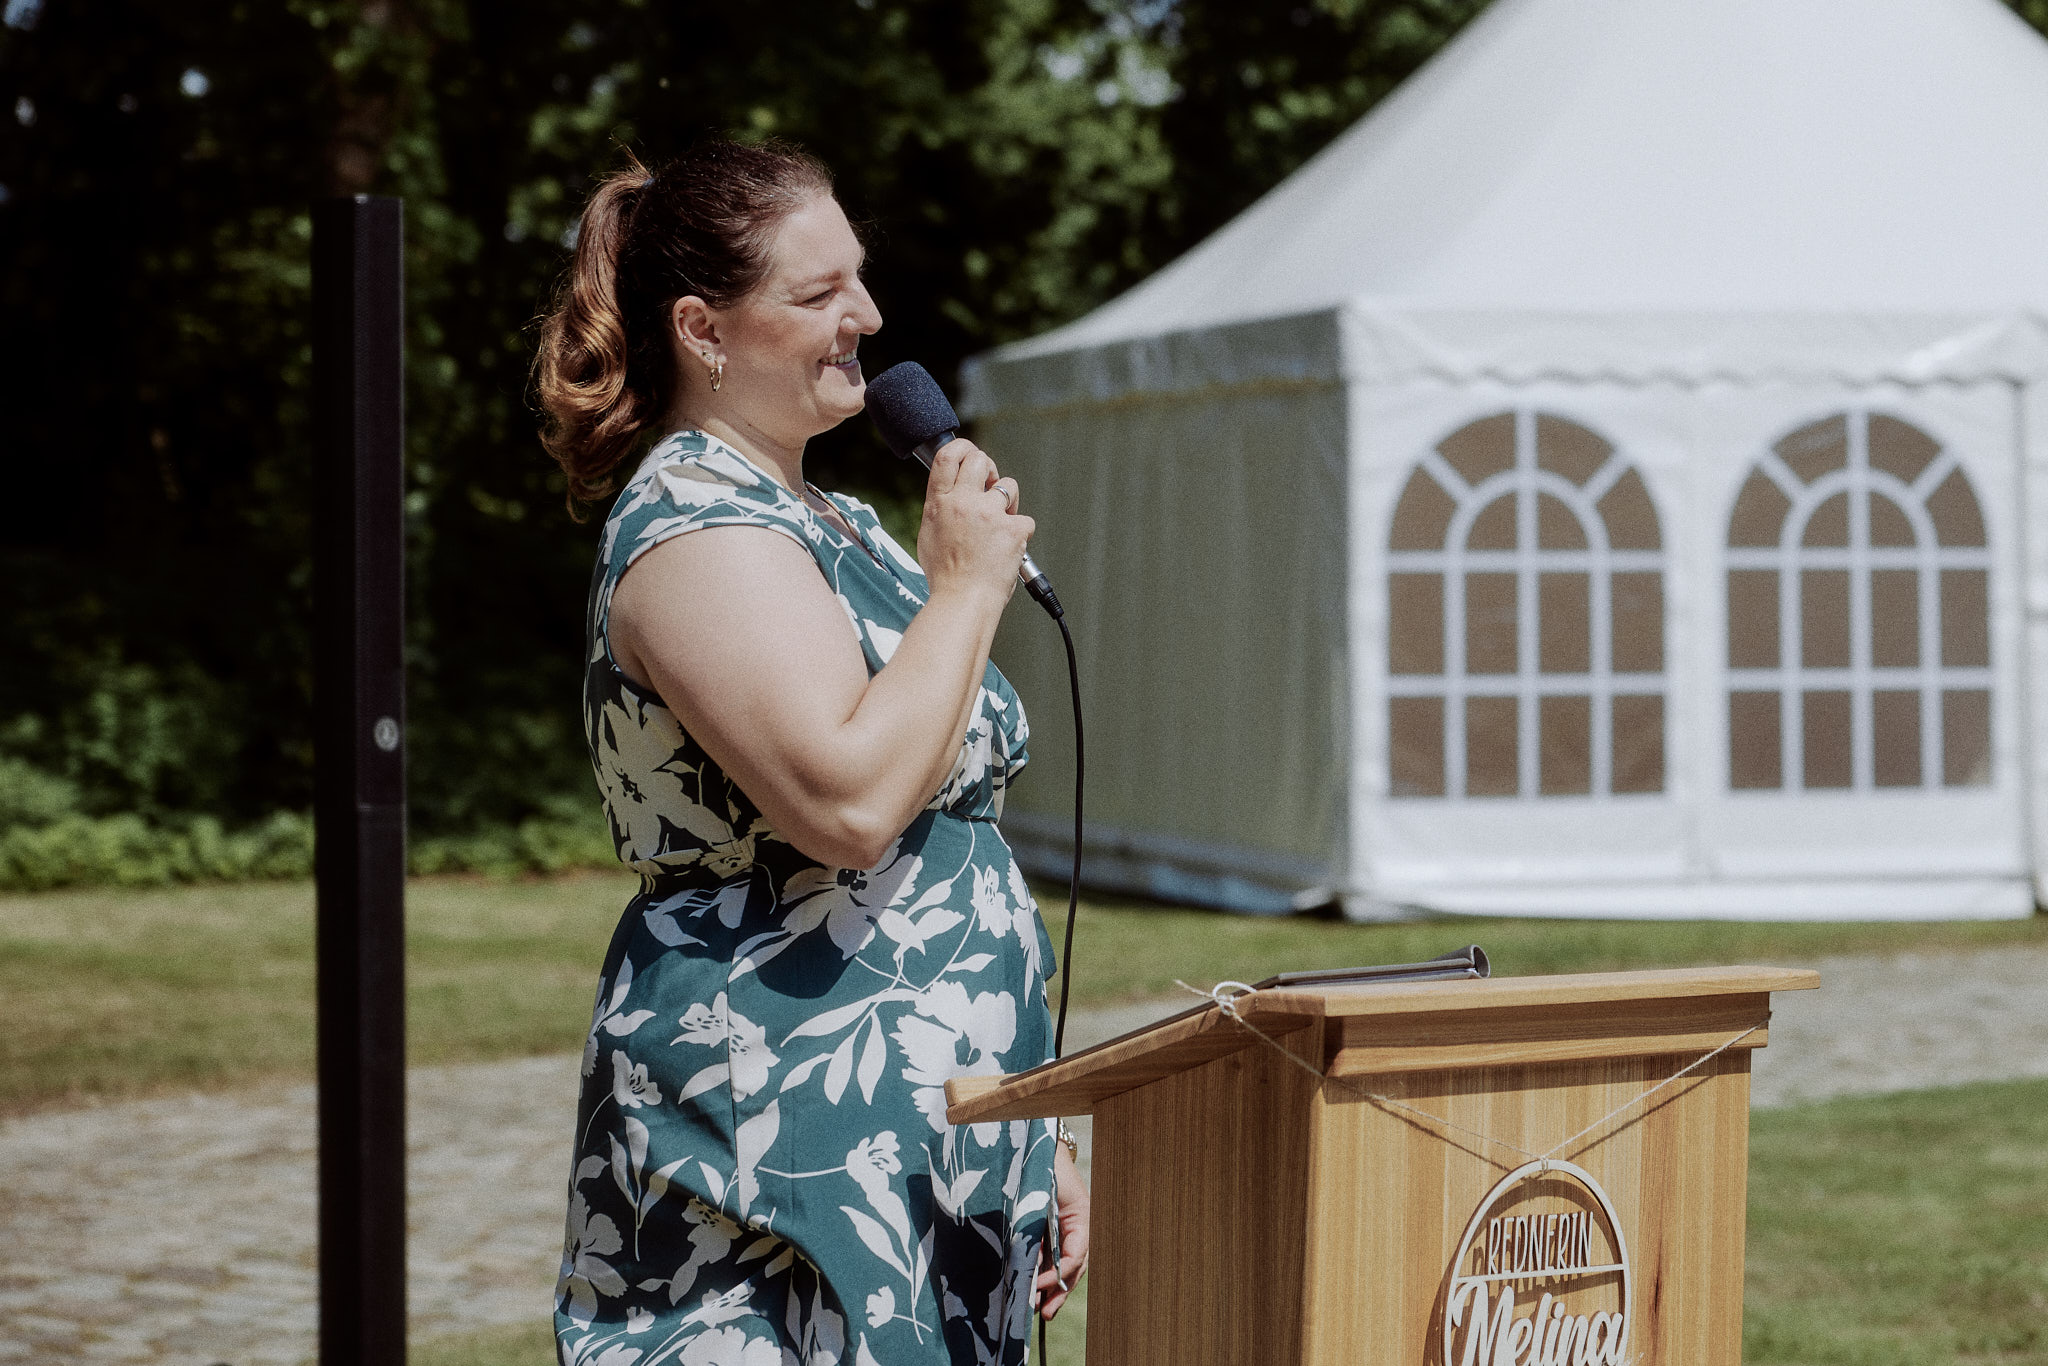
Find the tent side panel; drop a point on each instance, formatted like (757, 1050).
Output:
(1934, 813)
(1422, 830)
(1198, 542)
(1949, 817)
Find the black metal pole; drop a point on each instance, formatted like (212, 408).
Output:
(359, 787)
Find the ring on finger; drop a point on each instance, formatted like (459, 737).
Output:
(1008, 488)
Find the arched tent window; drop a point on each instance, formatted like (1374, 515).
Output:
(1525, 644)
(1859, 646)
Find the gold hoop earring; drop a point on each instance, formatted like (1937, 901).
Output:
(717, 374)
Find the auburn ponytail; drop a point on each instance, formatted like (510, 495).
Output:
(700, 225)
(594, 415)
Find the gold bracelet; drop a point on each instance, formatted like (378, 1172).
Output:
(1066, 1137)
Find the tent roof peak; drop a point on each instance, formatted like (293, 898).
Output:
(1663, 156)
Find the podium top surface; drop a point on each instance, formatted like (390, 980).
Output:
(1493, 993)
(1405, 1025)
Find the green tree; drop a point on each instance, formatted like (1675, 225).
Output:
(1260, 88)
(154, 233)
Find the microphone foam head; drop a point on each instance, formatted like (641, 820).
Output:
(909, 408)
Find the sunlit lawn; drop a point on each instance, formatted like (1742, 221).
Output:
(1900, 1230)
(1886, 1231)
(123, 992)
(130, 991)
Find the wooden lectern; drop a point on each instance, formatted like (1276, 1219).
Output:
(1378, 1180)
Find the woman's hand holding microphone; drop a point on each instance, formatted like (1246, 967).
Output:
(972, 538)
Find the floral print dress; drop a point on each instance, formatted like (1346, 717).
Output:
(763, 1172)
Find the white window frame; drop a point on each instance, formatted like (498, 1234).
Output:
(1791, 680)
(1599, 561)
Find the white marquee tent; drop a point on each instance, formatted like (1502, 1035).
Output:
(1610, 479)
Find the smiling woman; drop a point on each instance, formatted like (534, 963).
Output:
(803, 751)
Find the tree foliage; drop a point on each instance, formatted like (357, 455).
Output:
(155, 234)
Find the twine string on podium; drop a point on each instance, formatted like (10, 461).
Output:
(1225, 996)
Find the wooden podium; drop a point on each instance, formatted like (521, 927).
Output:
(1362, 1186)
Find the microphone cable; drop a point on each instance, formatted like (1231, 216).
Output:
(1040, 589)
(1066, 964)
(1059, 1033)
(915, 418)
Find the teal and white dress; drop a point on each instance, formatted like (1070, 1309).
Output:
(764, 1174)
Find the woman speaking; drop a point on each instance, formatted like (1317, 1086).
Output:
(802, 749)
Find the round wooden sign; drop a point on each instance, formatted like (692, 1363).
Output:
(1541, 1278)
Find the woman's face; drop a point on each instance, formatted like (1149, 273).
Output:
(790, 367)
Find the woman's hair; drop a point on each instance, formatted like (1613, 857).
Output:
(698, 225)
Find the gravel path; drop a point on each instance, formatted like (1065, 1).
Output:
(180, 1231)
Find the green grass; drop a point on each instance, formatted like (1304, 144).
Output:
(1900, 1230)
(1883, 1232)
(1125, 950)
(120, 992)
(128, 992)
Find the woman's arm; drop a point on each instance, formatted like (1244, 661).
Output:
(748, 646)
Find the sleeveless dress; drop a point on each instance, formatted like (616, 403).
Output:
(764, 1174)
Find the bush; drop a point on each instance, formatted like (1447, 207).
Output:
(127, 850)
(569, 833)
(30, 796)
(127, 737)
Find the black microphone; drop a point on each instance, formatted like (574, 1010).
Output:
(911, 412)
